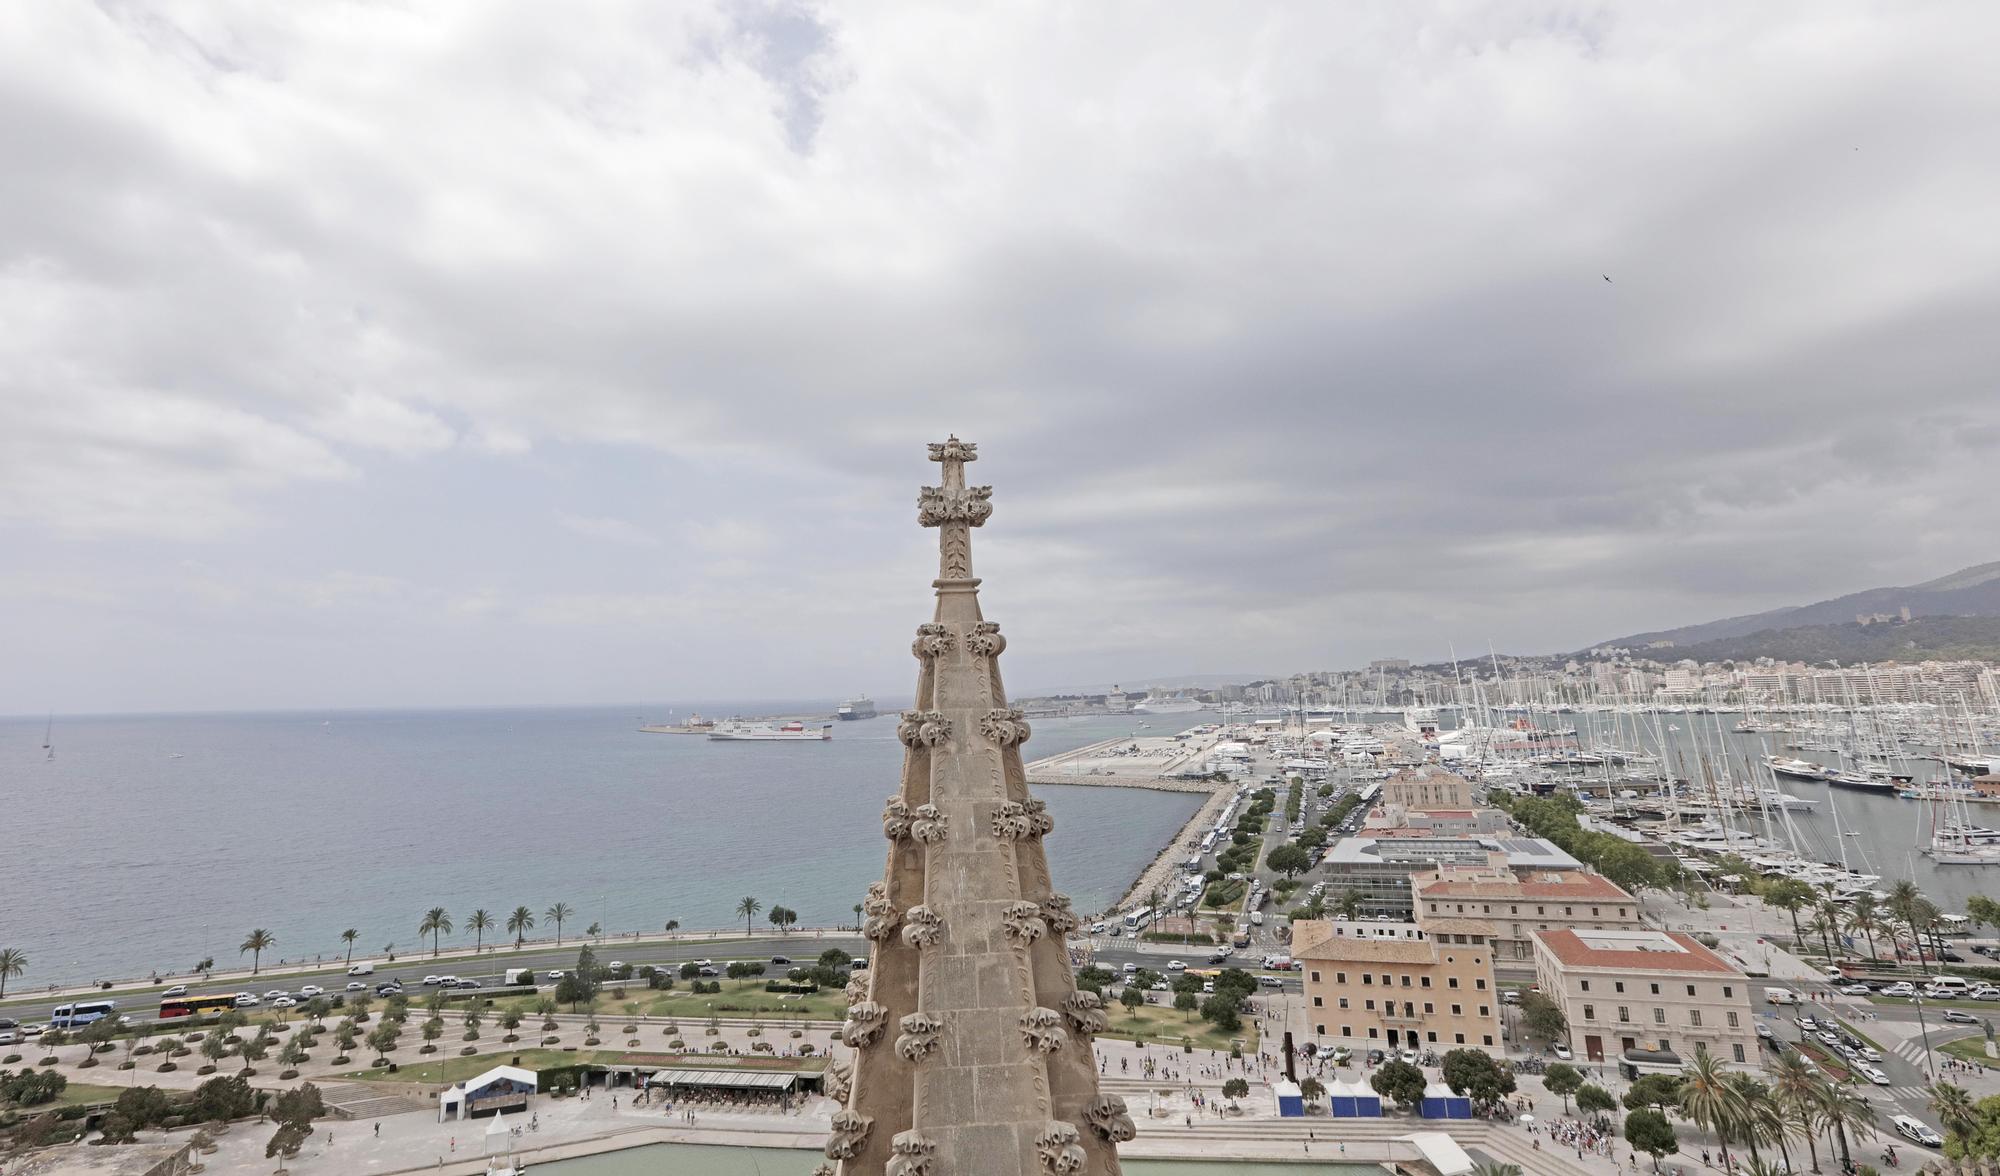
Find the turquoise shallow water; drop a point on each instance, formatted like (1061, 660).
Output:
(687, 1160)
(151, 841)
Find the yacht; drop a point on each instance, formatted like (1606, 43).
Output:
(1796, 769)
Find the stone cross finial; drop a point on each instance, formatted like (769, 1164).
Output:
(954, 508)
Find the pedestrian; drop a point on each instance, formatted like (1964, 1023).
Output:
(378, 1130)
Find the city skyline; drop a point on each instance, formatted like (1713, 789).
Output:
(360, 358)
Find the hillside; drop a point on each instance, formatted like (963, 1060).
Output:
(1920, 639)
(1969, 592)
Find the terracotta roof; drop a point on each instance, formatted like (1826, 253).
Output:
(1443, 926)
(1574, 885)
(1575, 950)
(1374, 951)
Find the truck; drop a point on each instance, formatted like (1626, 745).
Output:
(1257, 918)
(520, 976)
(1278, 963)
(1780, 996)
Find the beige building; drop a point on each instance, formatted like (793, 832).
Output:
(1512, 906)
(1397, 985)
(1635, 990)
(1426, 787)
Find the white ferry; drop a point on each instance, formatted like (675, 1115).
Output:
(739, 731)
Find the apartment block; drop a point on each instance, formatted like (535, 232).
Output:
(1646, 993)
(1398, 985)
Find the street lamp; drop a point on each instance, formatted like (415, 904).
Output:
(1929, 1070)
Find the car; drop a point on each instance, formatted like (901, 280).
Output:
(1097, 928)
(1900, 988)
(1208, 986)
(1273, 982)
(1510, 996)
(1409, 1056)
(429, 981)
(1915, 1130)
(1131, 968)
(556, 973)
(283, 1002)
(1868, 1052)
(776, 962)
(1875, 1075)
(1176, 966)
(1562, 1051)
(1985, 992)
(1855, 990)
(391, 989)
(32, 1029)
(859, 963)
(176, 990)
(1807, 1024)
(355, 986)
(468, 983)
(312, 990)
(704, 963)
(447, 981)
(1960, 1017)
(614, 965)
(708, 971)
(275, 993)
(246, 1000)
(361, 970)
(1375, 1057)
(1826, 1037)
(1764, 1031)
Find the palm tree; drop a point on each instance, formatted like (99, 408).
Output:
(435, 924)
(748, 908)
(13, 962)
(520, 923)
(1788, 895)
(1492, 1168)
(857, 916)
(594, 931)
(479, 924)
(1954, 1109)
(1826, 924)
(257, 943)
(673, 925)
(1711, 1100)
(1840, 1110)
(350, 935)
(1865, 917)
(556, 914)
(1903, 900)
(1762, 1121)
(1795, 1085)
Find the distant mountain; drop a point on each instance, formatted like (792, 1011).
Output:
(1918, 639)
(1970, 592)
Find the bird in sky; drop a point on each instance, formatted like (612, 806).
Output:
(1607, 277)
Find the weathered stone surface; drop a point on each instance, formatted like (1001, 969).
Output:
(970, 984)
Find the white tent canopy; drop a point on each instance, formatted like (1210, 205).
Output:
(1441, 1153)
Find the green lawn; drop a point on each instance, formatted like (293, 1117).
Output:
(1168, 1025)
(1970, 1049)
(78, 1093)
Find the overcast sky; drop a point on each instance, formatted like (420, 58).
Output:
(435, 354)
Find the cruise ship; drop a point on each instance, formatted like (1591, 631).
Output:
(859, 707)
(738, 731)
(1160, 705)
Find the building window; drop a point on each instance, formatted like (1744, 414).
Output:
(1371, 1031)
(1489, 1039)
(1659, 1016)
(1458, 1038)
(1618, 985)
(1656, 989)
(1624, 1013)
(1457, 1011)
(1370, 1006)
(1541, 910)
(1694, 1017)
(1621, 912)
(1318, 1003)
(1430, 1035)
(1569, 911)
(1315, 977)
(1726, 990)
(1513, 910)
(1451, 982)
(1593, 912)
(1425, 981)
(1319, 1030)
(1480, 983)
(1586, 986)
(1485, 1010)
(1690, 990)
(1340, 977)
(1732, 1018)
(1429, 1008)
(1406, 980)
(1347, 1030)
(1590, 1012)
(1737, 1049)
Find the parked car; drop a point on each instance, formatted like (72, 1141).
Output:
(1855, 990)
(1375, 1057)
(1900, 988)
(1562, 1051)
(1764, 1031)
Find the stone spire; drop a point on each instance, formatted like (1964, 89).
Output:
(972, 1044)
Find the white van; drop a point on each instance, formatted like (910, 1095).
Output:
(1948, 986)
(361, 970)
(1780, 996)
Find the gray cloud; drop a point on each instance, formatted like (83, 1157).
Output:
(602, 345)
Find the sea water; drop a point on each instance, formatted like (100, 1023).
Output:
(151, 842)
